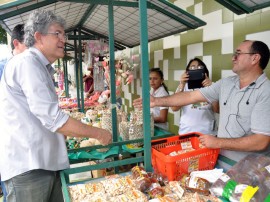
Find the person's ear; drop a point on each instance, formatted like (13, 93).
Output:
(15, 42)
(256, 58)
(38, 36)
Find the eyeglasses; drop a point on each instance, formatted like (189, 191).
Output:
(193, 67)
(59, 35)
(236, 54)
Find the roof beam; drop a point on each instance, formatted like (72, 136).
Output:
(262, 5)
(82, 37)
(12, 3)
(235, 6)
(26, 9)
(101, 36)
(106, 2)
(87, 13)
(167, 13)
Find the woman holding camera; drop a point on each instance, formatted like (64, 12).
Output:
(197, 117)
(158, 89)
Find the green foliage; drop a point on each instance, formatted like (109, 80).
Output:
(3, 36)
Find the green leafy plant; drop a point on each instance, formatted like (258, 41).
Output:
(3, 36)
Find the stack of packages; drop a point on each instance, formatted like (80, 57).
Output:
(132, 129)
(140, 186)
(98, 117)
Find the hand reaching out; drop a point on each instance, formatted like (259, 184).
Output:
(137, 103)
(104, 136)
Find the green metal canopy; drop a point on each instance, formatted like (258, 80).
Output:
(244, 6)
(91, 17)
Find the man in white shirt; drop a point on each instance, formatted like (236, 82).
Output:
(244, 124)
(17, 45)
(33, 127)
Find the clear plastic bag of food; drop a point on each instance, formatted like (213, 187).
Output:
(155, 190)
(197, 184)
(247, 180)
(142, 180)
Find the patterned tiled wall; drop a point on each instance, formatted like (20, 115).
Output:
(214, 43)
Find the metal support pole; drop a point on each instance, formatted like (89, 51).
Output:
(145, 84)
(112, 70)
(77, 72)
(81, 72)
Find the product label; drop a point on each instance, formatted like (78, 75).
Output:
(225, 178)
(240, 188)
(228, 189)
(193, 164)
(268, 168)
(193, 182)
(248, 193)
(186, 145)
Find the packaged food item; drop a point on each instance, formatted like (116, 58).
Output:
(143, 184)
(131, 195)
(176, 189)
(114, 187)
(141, 178)
(247, 180)
(158, 177)
(124, 130)
(135, 130)
(155, 190)
(138, 172)
(197, 184)
(195, 197)
(164, 199)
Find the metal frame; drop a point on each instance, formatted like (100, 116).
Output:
(244, 6)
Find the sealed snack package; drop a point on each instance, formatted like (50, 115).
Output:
(135, 130)
(248, 180)
(197, 184)
(155, 190)
(142, 180)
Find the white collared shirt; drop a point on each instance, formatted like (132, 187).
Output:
(29, 117)
(243, 111)
(160, 92)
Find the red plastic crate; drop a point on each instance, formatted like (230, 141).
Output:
(175, 166)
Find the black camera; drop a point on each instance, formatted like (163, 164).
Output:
(196, 78)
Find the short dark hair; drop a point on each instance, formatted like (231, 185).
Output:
(17, 33)
(160, 73)
(261, 48)
(201, 63)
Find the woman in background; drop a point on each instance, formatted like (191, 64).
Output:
(88, 82)
(159, 89)
(199, 117)
(60, 78)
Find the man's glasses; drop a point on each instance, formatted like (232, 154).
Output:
(236, 54)
(59, 35)
(193, 67)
